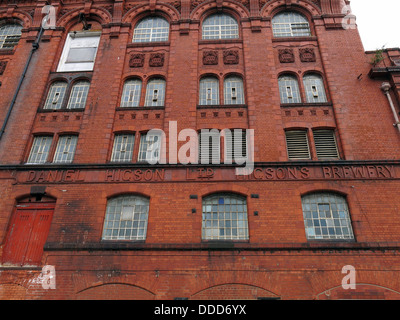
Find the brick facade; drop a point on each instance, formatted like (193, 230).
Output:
(175, 261)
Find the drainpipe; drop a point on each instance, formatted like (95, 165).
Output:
(35, 46)
(385, 88)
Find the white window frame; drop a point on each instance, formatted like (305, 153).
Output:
(79, 40)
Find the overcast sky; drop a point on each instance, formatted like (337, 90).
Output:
(378, 22)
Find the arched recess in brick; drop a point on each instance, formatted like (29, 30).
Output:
(308, 8)
(115, 291)
(362, 291)
(208, 6)
(233, 291)
(23, 17)
(165, 10)
(98, 14)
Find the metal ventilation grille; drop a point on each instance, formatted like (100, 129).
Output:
(297, 145)
(325, 144)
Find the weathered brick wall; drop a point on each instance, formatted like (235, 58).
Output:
(277, 261)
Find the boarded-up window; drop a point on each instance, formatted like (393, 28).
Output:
(297, 145)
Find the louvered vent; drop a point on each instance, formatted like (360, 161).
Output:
(237, 141)
(325, 144)
(297, 145)
(209, 151)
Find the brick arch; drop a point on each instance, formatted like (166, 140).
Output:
(115, 291)
(308, 8)
(237, 8)
(363, 291)
(234, 291)
(22, 16)
(129, 189)
(221, 188)
(139, 12)
(96, 13)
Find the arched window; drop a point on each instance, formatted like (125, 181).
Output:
(209, 91)
(131, 93)
(40, 150)
(233, 90)
(155, 93)
(220, 26)
(290, 24)
(225, 217)
(151, 29)
(126, 218)
(78, 96)
(314, 86)
(326, 217)
(56, 95)
(289, 89)
(10, 35)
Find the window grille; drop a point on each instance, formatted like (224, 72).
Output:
(79, 92)
(40, 150)
(151, 29)
(220, 26)
(233, 90)
(10, 35)
(55, 97)
(155, 93)
(65, 149)
(123, 148)
(209, 91)
(314, 86)
(289, 89)
(326, 217)
(225, 217)
(126, 218)
(290, 24)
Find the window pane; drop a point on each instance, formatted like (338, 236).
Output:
(126, 218)
(55, 97)
(225, 222)
(290, 24)
(81, 55)
(149, 150)
(151, 29)
(65, 149)
(324, 220)
(314, 86)
(209, 91)
(9, 36)
(40, 150)
(155, 93)
(289, 89)
(131, 93)
(123, 148)
(78, 95)
(233, 91)
(220, 26)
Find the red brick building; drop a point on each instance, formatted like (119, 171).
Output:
(77, 191)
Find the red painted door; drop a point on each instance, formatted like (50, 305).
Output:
(27, 234)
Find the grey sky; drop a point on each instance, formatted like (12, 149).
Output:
(378, 22)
